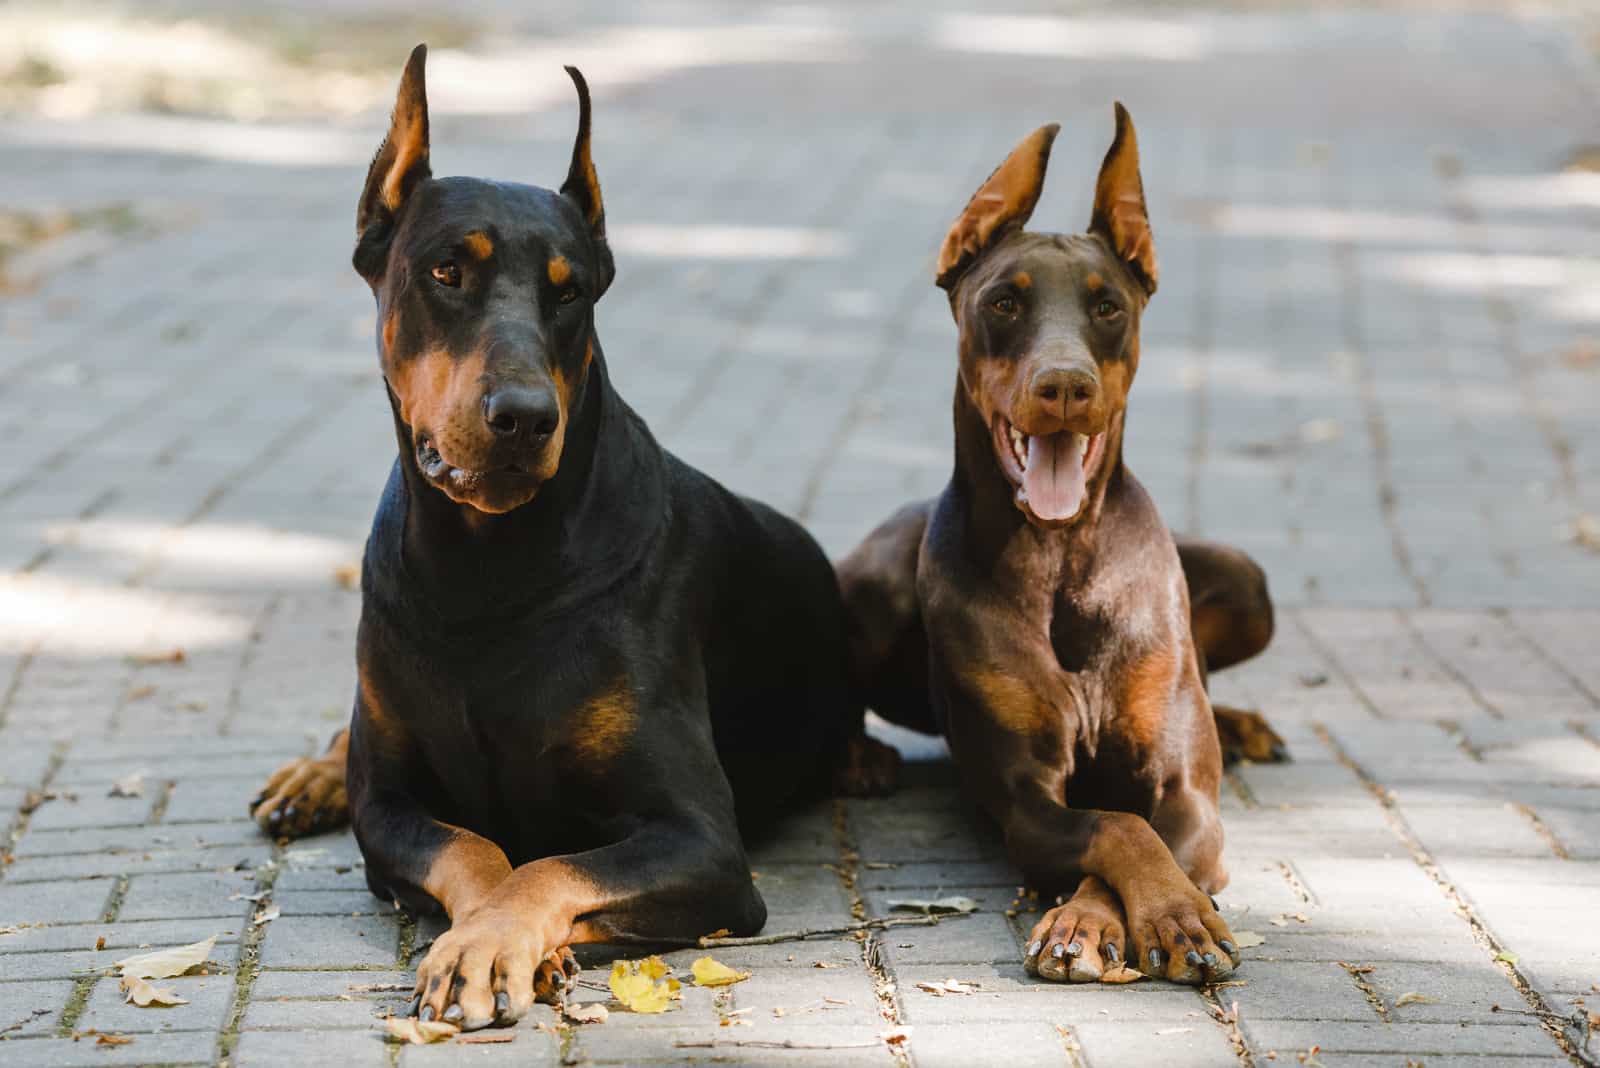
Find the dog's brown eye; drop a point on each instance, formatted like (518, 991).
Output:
(1106, 310)
(1004, 305)
(447, 274)
(568, 295)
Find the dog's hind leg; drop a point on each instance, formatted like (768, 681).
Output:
(888, 647)
(306, 795)
(1230, 616)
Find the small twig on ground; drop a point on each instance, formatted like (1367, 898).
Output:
(822, 932)
(25, 1021)
(1578, 1020)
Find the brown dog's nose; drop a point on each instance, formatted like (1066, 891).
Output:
(521, 411)
(1065, 391)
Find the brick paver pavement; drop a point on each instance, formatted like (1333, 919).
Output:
(1372, 363)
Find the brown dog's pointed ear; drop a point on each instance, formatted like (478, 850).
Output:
(582, 186)
(1002, 204)
(400, 165)
(1119, 211)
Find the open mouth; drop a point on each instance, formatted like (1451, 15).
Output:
(1051, 472)
(461, 479)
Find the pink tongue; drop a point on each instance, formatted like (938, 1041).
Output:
(1053, 479)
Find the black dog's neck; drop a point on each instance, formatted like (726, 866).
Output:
(999, 538)
(588, 525)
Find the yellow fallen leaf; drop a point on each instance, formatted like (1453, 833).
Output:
(1411, 997)
(166, 963)
(143, 993)
(708, 972)
(112, 1040)
(485, 1038)
(1121, 974)
(1247, 939)
(418, 1032)
(585, 1012)
(643, 985)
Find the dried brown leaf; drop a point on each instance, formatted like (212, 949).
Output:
(145, 994)
(166, 963)
(418, 1032)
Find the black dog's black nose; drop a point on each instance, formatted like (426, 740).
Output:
(513, 411)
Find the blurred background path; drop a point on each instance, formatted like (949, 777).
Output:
(1374, 363)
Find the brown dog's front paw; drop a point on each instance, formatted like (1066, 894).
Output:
(1246, 735)
(869, 768)
(1079, 941)
(305, 796)
(1177, 934)
(484, 971)
(554, 975)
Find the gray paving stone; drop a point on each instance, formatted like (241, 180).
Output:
(192, 1047)
(1196, 1041)
(191, 894)
(327, 942)
(120, 935)
(79, 901)
(1414, 1039)
(293, 1049)
(1036, 1043)
(209, 997)
(34, 1007)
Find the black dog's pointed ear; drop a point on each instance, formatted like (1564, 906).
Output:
(582, 186)
(399, 167)
(1001, 205)
(1119, 211)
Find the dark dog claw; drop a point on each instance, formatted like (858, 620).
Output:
(1155, 960)
(1112, 954)
(416, 1003)
(502, 1003)
(1280, 752)
(1210, 959)
(290, 813)
(558, 980)
(453, 1014)
(255, 802)
(1191, 957)
(1058, 951)
(1227, 946)
(426, 1014)
(1075, 949)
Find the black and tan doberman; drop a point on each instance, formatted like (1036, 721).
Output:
(1038, 612)
(584, 668)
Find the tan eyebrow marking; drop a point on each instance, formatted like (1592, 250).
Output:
(559, 270)
(1093, 280)
(479, 244)
(1022, 280)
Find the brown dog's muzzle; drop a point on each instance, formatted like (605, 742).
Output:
(1049, 443)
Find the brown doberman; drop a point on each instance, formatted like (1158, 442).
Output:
(584, 669)
(1038, 612)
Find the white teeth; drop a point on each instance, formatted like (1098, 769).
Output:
(1081, 443)
(1019, 445)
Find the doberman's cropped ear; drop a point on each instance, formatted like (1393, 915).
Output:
(1001, 205)
(399, 167)
(1119, 211)
(582, 186)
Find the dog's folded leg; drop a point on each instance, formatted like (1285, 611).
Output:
(306, 795)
